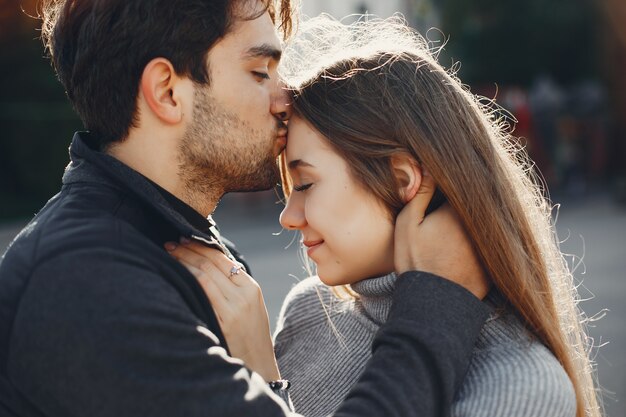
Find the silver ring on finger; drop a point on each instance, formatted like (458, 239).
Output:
(235, 270)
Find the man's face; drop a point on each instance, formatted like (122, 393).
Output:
(236, 134)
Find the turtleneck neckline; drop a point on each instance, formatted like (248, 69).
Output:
(375, 299)
(375, 296)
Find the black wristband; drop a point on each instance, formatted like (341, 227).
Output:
(280, 385)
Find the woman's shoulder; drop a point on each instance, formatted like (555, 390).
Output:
(512, 373)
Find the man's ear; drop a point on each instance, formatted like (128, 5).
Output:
(408, 175)
(159, 88)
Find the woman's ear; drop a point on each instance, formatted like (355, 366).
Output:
(158, 86)
(408, 175)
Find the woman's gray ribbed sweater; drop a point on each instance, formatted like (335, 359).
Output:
(511, 374)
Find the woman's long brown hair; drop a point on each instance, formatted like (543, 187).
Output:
(387, 94)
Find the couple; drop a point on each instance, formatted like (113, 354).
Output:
(182, 103)
(375, 121)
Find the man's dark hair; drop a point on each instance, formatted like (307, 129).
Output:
(100, 48)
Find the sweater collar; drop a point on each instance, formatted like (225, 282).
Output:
(89, 165)
(375, 299)
(375, 296)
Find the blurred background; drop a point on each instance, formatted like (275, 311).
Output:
(556, 65)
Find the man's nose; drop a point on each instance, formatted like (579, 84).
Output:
(281, 103)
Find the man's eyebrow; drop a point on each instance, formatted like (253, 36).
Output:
(296, 163)
(265, 50)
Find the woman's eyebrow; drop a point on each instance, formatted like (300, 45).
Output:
(298, 163)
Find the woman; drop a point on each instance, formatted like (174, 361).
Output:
(374, 118)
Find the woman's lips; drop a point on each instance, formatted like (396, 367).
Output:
(312, 246)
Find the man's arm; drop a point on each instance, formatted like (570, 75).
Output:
(420, 355)
(108, 336)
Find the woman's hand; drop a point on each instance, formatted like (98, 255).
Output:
(238, 303)
(437, 243)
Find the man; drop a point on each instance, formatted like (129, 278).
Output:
(182, 103)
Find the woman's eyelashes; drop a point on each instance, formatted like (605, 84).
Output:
(302, 187)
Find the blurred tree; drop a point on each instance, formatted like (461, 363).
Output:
(614, 50)
(497, 41)
(37, 119)
(511, 42)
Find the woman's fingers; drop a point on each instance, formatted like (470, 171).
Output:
(202, 254)
(211, 289)
(203, 261)
(231, 269)
(185, 252)
(197, 272)
(237, 301)
(229, 276)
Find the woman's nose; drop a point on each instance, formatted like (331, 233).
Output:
(292, 216)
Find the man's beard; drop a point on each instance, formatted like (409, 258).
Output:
(221, 153)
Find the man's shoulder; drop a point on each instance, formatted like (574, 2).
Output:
(104, 263)
(79, 260)
(69, 238)
(71, 221)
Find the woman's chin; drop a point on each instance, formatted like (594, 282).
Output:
(334, 280)
(331, 280)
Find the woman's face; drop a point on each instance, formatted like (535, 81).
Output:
(347, 231)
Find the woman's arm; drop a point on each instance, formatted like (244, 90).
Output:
(238, 303)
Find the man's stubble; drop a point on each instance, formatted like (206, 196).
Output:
(221, 153)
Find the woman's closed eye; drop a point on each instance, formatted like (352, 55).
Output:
(302, 187)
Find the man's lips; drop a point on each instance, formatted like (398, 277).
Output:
(281, 135)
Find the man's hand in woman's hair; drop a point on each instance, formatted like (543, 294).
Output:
(437, 243)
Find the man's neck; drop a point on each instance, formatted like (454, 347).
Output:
(204, 202)
(163, 169)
